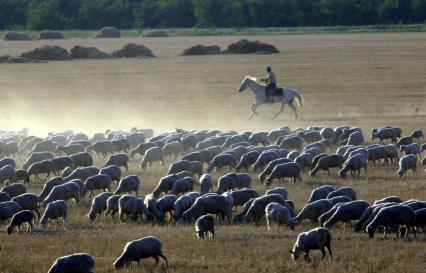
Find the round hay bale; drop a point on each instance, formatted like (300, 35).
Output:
(157, 33)
(47, 53)
(50, 35)
(16, 36)
(133, 50)
(201, 50)
(248, 47)
(109, 32)
(81, 52)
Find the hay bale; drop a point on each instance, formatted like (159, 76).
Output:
(16, 36)
(50, 35)
(47, 53)
(133, 50)
(82, 52)
(109, 32)
(248, 47)
(201, 50)
(7, 59)
(157, 33)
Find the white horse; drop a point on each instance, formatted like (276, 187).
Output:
(289, 96)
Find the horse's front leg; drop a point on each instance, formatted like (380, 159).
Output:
(253, 108)
(279, 111)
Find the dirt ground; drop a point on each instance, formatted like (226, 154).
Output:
(364, 80)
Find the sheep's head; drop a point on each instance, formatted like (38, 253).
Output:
(295, 253)
(10, 229)
(400, 173)
(370, 231)
(342, 174)
(121, 262)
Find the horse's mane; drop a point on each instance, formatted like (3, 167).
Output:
(250, 78)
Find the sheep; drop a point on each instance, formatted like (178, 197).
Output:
(4, 196)
(82, 173)
(99, 204)
(173, 149)
(14, 189)
(222, 160)
(320, 193)
(204, 226)
(75, 263)
(407, 140)
(98, 182)
(44, 146)
(151, 155)
(8, 209)
(247, 160)
(36, 157)
(293, 154)
(383, 134)
(193, 167)
(377, 153)
(280, 214)
(278, 190)
(317, 238)
(141, 249)
(343, 191)
(416, 135)
(269, 168)
(120, 160)
(166, 204)
(82, 159)
(393, 215)
(7, 173)
(20, 218)
(406, 163)
(64, 192)
(413, 148)
(101, 148)
(243, 180)
(128, 184)
(183, 203)
(227, 182)
(43, 167)
(291, 170)
(420, 220)
(259, 138)
(142, 148)
(112, 205)
(10, 148)
(70, 149)
(151, 204)
(165, 184)
(346, 212)
(240, 197)
(183, 185)
(113, 171)
(7, 161)
(394, 199)
(312, 211)
(353, 164)
(206, 183)
(326, 162)
(290, 142)
(28, 201)
(313, 152)
(368, 216)
(257, 208)
(189, 142)
(304, 160)
(319, 147)
(22, 175)
(213, 204)
(132, 206)
(339, 199)
(275, 134)
(120, 145)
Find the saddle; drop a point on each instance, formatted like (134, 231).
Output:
(276, 92)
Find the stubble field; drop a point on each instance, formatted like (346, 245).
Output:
(364, 80)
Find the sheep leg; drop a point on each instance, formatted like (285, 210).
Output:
(268, 224)
(280, 111)
(157, 260)
(164, 258)
(323, 253)
(329, 251)
(38, 213)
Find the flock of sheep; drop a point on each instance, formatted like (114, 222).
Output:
(66, 162)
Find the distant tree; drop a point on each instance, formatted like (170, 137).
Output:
(395, 11)
(275, 13)
(12, 13)
(95, 14)
(348, 12)
(213, 13)
(419, 10)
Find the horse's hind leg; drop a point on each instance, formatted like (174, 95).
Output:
(279, 111)
(294, 110)
(253, 108)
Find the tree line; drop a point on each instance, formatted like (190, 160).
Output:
(128, 14)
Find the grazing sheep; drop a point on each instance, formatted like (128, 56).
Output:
(393, 199)
(318, 238)
(256, 211)
(173, 149)
(213, 204)
(204, 226)
(312, 211)
(264, 158)
(68, 190)
(313, 152)
(62, 162)
(112, 205)
(227, 182)
(368, 216)
(290, 142)
(8, 209)
(304, 160)
(7, 173)
(206, 183)
(20, 218)
(259, 138)
(28, 201)
(289, 170)
(339, 199)
(120, 160)
(183, 185)
(36, 157)
(278, 190)
(134, 251)
(82, 159)
(7, 161)
(354, 164)
(240, 197)
(414, 149)
(113, 171)
(355, 138)
(293, 154)
(310, 136)
(188, 142)
(243, 180)
(4, 196)
(151, 155)
(193, 167)
(75, 263)
(166, 204)
(247, 160)
(22, 175)
(99, 204)
(142, 148)
(183, 203)
(222, 160)
(165, 184)
(420, 220)
(346, 212)
(407, 140)
(132, 206)
(417, 135)
(14, 189)
(280, 214)
(406, 163)
(54, 210)
(101, 148)
(44, 146)
(70, 149)
(326, 162)
(55, 181)
(82, 173)
(393, 215)
(320, 193)
(98, 182)
(270, 167)
(151, 204)
(45, 166)
(384, 134)
(345, 191)
(128, 184)
(80, 183)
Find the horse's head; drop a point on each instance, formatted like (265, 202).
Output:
(245, 83)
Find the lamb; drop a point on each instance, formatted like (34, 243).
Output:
(318, 238)
(304, 160)
(142, 148)
(222, 160)
(70, 149)
(4, 196)
(393, 199)
(256, 211)
(354, 164)
(291, 170)
(343, 191)
(101, 148)
(45, 166)
(173, 149)
(132, 206)
(193, 167)
(140, 249)
(278, 190)
(151, 155)
(75, 263)
(20, 218)
(28, 201)
(393, 215)
(240, 197)
(14, 189)
(120, 160)
(204, 226)
(312, 211)
(247, 160)
(326, 162)
(320, 193)
(213, 204)
(166, 204)
(113, 171)
(128, 184)
(7, 173)
(36, 157)
(82, 159)
(416, 135)
(98, 182)
(112, 205)
(206, 183)
(270, 167)
(280, 214)
(413, 149)
(183, 203)
(406, 163)
(346, 212)
(8, 209)
(82, 173)
(383, 134)
(64, 192)
(183, 185)
(99, 204)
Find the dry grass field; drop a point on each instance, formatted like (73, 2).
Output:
(364, 80)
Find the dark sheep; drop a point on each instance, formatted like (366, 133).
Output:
(75, 263)
(20, 218)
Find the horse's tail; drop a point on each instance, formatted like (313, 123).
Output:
(298, 99)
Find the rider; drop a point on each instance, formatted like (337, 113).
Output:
(271, 83)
